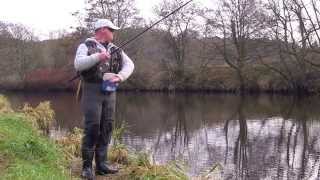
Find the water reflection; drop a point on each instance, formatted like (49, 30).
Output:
(255, 137)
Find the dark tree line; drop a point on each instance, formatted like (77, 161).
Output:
(238, 46)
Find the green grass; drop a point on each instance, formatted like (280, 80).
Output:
(27, 154)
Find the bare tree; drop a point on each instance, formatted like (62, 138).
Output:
(121, 12)
(179, 31)
(238, 22)
(18, 51)
(295, 29)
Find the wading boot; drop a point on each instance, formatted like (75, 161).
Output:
(101, 165)
(87, 157)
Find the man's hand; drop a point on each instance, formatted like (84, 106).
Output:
(115, 79)
(111, 77)
(104, 56)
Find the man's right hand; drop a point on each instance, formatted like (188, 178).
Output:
(104, 56)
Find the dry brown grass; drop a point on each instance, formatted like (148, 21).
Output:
(118, 155)
(71, 143)
(41, 116)
(5, 106)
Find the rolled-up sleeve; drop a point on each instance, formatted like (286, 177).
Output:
(127, 67)
(82, 61)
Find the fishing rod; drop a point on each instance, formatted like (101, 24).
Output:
(156, 23)
(140, 34)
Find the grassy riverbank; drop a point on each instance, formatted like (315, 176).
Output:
(24, 154)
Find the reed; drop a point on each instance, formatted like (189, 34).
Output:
(41, 116)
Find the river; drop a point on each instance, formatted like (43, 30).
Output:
(252, 137)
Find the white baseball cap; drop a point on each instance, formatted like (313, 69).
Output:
(105, 23)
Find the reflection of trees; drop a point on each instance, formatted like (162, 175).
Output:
(160, 121)
(240, 158)
(240, 151)
(297, 157)
(294, 153)
(302, 118)
(254, 139)
(292, 143)
(281, 140)
(226, 130)
(304, 159)
(180, 130)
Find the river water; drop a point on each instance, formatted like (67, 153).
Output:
(253, 137)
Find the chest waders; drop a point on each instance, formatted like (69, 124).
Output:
(98, 109)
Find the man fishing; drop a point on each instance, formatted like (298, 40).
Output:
(102, 66)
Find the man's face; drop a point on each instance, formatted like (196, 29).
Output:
(106, 34)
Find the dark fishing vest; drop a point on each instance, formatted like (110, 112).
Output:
(95, 73)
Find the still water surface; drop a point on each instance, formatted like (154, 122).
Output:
(254, 137)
